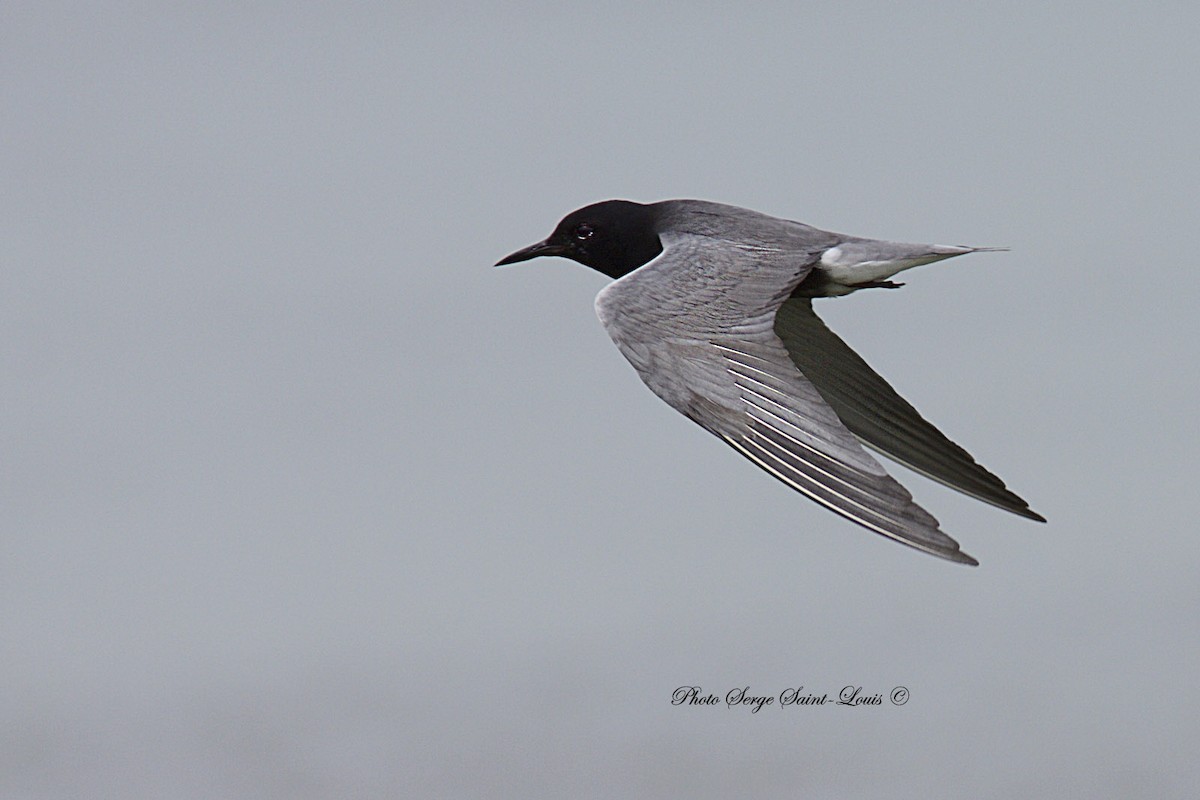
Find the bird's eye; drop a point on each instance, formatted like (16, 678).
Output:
(583, 232)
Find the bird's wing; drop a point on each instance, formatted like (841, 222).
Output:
(872, 410)
(707, 347)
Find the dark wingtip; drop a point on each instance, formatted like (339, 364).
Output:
(1029, 513)
(959, 557)
(1019, 507)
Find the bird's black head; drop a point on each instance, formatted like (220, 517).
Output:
(614, 237)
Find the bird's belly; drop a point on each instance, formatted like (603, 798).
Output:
(819, 283)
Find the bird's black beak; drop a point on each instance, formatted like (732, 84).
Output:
(544, 248)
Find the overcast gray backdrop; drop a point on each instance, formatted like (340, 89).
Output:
(302, 499)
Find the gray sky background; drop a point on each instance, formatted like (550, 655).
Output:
(303, 499)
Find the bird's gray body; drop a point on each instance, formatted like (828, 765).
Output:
(712, 305)
(703, 327)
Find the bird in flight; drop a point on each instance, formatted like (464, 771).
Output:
(712, 305)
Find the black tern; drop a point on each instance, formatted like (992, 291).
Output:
(712, 305)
